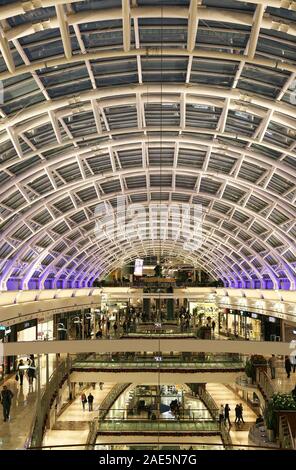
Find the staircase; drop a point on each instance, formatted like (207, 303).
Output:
(286, 438)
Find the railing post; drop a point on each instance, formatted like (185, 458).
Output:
(68, 376)
(47, 369)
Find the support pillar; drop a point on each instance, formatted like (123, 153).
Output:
(146, 309)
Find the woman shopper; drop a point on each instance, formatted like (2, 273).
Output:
(21, 371)
(83, 400)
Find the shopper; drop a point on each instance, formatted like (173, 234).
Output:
(31, 372)
(6, 399)
(288, 366)
(272, 364)
(21, 371)
(221, 414)
(241, 418)
(294, 393)
(108, 324)
(226, 414)
(237, 414)
(101, 385)
(115, 327)
(213, 326)
(90, 400)
(83, 400)
(99, 334)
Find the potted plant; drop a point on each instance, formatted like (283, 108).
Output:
(249, 371)
(270, 420)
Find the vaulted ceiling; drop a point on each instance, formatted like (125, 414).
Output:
(173, 101)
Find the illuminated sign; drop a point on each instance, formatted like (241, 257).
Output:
(138, 271)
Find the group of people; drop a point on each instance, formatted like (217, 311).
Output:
(224, 414)
(6, 394)
(89, 399)
(29, 369)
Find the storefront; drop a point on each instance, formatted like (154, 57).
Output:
(249, 325)
(45, 329)
(289, 332)
(240, 323)
(27, 331)
(201, 311)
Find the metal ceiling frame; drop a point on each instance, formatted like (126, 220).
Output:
(98, 101)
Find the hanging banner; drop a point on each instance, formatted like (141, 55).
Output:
(138, 271)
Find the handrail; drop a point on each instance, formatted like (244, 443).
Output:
(264, 383)
(286, 438)
(105, 406)
(214, 410)
(36, 433)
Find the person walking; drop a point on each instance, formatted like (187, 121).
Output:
(21, 371)
(272, 364)
(90, 400)
(241, 417)
(101, 385)
(237, 414)
(108, 324)
(213, 326)
(115, 328)
(226, 414)
(31, 372)
(288, 366)
(6, 399)
(83, 400)
(221, 414)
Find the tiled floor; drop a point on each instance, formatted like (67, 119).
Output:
(222, 395)
(281, 383)
(74, 416)
(14, 433)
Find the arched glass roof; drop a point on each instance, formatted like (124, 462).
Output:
(184, 101)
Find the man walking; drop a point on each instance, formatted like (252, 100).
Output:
(90, 400)
(288, 366)
(6, 399)
(226, 414)
(240, 417)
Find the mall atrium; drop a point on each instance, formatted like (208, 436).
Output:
(147, 217)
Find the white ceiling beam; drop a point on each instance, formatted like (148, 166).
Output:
(55, 125)
(64, 29)
(6, 53)
(192, 25)
(223, 117)
(96, 112)
(257, 20)
(15, 141)
(126, 25)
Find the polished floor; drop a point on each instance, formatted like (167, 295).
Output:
(72, 426)
(222, 395)
(15, 433)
